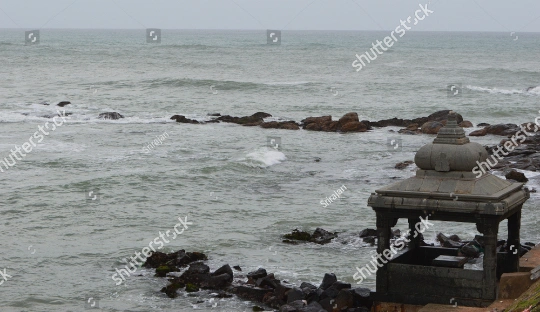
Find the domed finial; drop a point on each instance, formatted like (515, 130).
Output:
(452, 133)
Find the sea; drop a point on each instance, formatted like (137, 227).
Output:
(92, 192)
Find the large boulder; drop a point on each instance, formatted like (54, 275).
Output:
(516, 176)
(431, 127)
(502, 129)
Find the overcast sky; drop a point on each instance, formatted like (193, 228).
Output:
(449, 15)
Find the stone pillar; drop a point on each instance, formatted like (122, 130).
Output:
(384, 233)
(514, 225)
(490, 228)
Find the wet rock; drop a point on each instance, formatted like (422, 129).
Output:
(466, 124)
(483, 124)
(344, 300)
(368, 232)
(171, 289)
(295, 294)
(157, 259)
(403, 165)
(321, 236)
(447, 242)
(183, 119)
(237, 268)
(63, 103)
(362, 297)
(213, 114)
(286, 125)
(257, 309)
(191, 288)
(502, 129)
(162, 270)
(252, 293)
(480, 132)
(516, 176)
(470, 250)
(313, 307)
(443, 115)
(184, 258)
(431, 127)
(253, 120)
(110, 115)
(348, 123)
(370, 240)
(224, 269)
(259, 273)
(455, 238)
(328, 280)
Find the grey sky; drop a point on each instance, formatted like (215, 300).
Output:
(450, 15)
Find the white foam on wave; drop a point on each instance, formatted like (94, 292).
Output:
(495, 90)
(264, 157)
(534, 91)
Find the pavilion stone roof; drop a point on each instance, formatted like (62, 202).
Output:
(445, 181)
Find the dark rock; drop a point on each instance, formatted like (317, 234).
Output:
(321, 236)
(191, 288)
(253, 120)
(237, 268)
(480, 132)
(298, 235)
(502, 129)
(257, 309)
(307, 285)
(260, 273)
(171, 289)
(447, 242)
(362, 297)
(162, 271)
(287, 308)
(214, 114)
(216, 282)
(516, 176)
(63, 103)
(331, 292)
(350, 123)
(483, 124)
(470, 250)
(286, 125)
(224, 269)
(455, 238)
(110, 115)
(223, 294)
(250, 292)
(183, 119)
(431, 127)
(344, 300)
(184, 258)
(328, 280)
(370, 240)
(368, 232)
(313, 307)
(403, 165)
(396, 233)
(295, 294)
(157, 259)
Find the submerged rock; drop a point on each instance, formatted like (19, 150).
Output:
(403, 165)
(63, 103)
(110, 115)
(183, 119)
(319, 236)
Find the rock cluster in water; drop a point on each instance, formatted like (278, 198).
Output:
(258, 286)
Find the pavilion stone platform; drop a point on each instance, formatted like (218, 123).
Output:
(445, 189)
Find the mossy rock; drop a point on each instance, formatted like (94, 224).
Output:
(171, 289)
(192, 288)
(162, 270)
(298, 235)
(529, 298)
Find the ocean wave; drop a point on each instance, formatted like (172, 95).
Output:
(263, 157)
(219, 84)
(535, 91)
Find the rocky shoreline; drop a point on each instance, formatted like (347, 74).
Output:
(187, 272)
